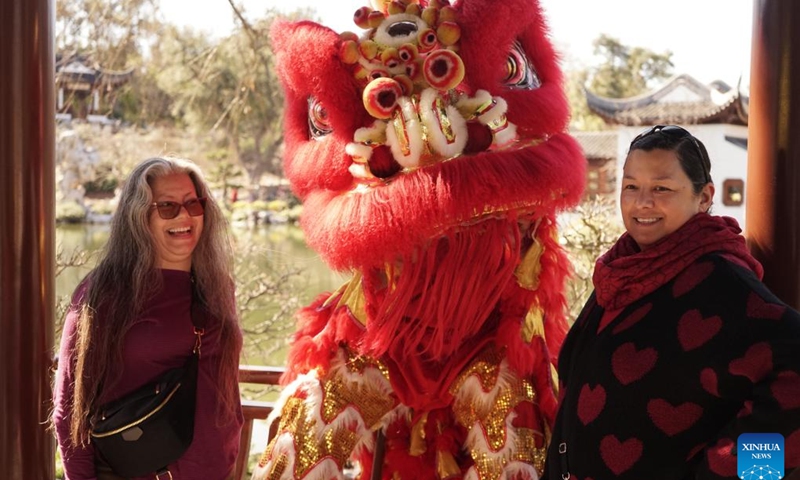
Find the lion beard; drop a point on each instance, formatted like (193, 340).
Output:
(434, 300)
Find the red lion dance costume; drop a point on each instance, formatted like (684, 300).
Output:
(431, 158)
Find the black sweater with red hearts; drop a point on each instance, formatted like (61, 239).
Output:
(664, 389)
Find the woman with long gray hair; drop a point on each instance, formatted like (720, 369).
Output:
(129, 321)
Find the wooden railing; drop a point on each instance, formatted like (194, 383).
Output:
(253, 410)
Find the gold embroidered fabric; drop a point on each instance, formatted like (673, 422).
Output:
(489, 411)
(359, 363)
(486, 368)
(485, 403)
(371, 402)
(336, 444)
(315, 440)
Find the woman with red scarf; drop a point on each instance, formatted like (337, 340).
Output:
(681, 348)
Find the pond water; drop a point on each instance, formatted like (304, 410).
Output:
(270, 249)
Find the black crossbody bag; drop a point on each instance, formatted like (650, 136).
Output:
(148, 429)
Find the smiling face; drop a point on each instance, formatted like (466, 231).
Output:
(657, 196)
(176, 238)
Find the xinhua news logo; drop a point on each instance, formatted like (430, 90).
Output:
(760, 456)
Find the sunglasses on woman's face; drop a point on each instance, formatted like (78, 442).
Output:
(676, 132)
(169, 210)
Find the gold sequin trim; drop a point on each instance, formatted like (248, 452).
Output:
(485, 367)
(278, 467)
(371, 403)
(359, 363)
(370, 400)
(335, 444)
(492, 418)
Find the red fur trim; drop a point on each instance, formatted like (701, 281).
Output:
(372, 228)
(436, 305)
(307, 62)
(543, 384)
(556, 268)
(441, 434)
(397, 459)
(449, 228)
(309, 349)
(484, 48)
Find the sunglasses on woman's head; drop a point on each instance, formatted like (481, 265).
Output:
(676, 132)
(169, 210)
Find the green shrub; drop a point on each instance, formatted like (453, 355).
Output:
(70, 212)
(102, 207)
(587, 232)
(294, 213)
(259, 205)
(277, 205)
(101, 185)
(59, 466)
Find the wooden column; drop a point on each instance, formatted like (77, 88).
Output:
(773, 173)
(27, 232)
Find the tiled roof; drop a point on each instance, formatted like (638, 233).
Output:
(682, 100)
(597, 145)
(79, 68)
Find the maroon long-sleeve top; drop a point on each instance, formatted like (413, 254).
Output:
(161, 338)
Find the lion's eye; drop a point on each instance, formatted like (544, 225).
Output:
(519, 71)
(318, 123)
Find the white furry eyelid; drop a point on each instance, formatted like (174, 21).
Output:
(382, 34)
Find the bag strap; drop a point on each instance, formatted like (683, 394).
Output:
(199, 316)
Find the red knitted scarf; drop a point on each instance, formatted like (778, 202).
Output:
(626, 273)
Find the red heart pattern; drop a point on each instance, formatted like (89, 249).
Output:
(694, 330)
(619, 456)
(708, 379)
(590, 403)
(746, 410)
(786, 390)
(673, 420)
(721, 373)
(756, 363)
(697, 449)
(758, 308)
(720, 458)
(793, 445)
(633, 318)
(691, 277)
(630, 365)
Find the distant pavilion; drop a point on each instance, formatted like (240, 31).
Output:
(82, 87)
(716, 113)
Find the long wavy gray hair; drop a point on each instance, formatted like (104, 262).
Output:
(126, 276)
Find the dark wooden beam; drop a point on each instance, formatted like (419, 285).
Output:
(27, 238)
(773, 174)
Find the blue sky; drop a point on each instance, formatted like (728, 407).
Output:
(710, 39)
